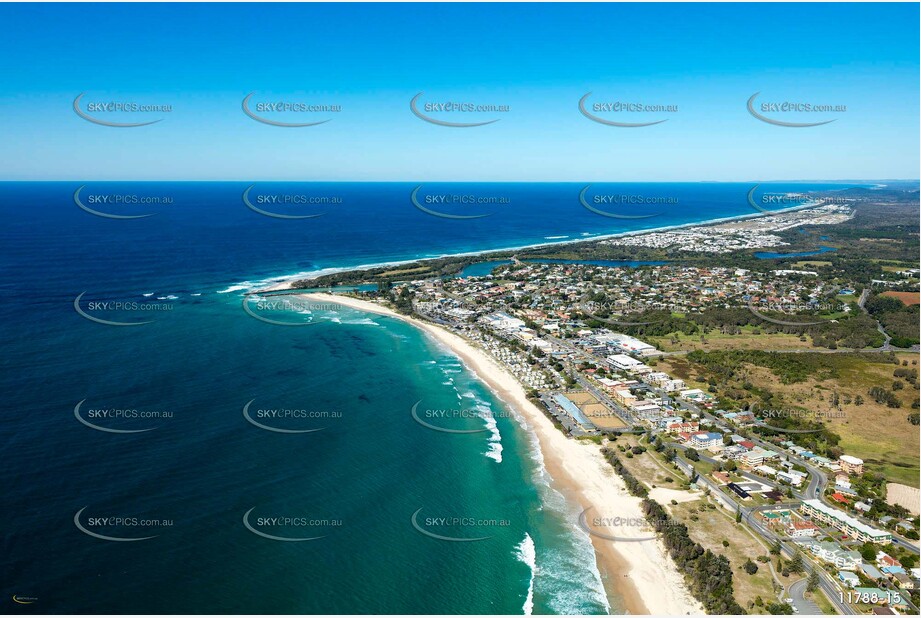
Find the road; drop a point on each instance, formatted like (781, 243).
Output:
(797, 593)
(814, 490)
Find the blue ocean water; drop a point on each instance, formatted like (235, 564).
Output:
(196, 472)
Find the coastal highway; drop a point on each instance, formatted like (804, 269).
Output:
(826, 583)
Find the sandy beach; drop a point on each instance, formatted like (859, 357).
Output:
(639, 573)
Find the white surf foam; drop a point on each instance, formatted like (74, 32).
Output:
(526, 552)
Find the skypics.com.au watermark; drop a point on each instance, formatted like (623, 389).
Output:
(628, 205)
(285, 204)
(116, 113)
(438, 204)
(120, 528)
(768, 417)
(788, 308)
(454, 528)
(605, 112)
(430, 111)
(771, 112)
(287, 420)
(781, 201)
(294, 310)
(102, 204)
(288, 527)
(284, 112)
(619, 528)
(118, 308)
(113, 420)
(439, 419)
(592, 308)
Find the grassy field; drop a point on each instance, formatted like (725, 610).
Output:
(405, 271)
(749, 339)
(710, 527)
(881, 436)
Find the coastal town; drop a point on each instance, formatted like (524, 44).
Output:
(832, 543)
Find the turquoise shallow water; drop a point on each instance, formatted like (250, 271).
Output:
(187, 476)
(365, 473)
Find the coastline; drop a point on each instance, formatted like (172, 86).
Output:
(641, 573)
(284, 281)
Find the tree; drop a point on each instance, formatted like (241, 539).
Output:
(813, 581)
(738, 514)
(692, 454)
(780, 608)
(775, 548)
(858, 400)
(750, 567)
(796, 563)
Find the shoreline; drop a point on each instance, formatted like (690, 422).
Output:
(642, 575)
(275, 283)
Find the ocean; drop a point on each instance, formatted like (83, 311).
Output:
(136, 483)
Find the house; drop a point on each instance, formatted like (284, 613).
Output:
(766, 471)
(793, 478)
(904, 526)
(885, 560)
(884, 611)
(851, 465)
(893, 570)
(774, 495)
(862, 507)
(698, 396)
(721, 477)
(849, 579)
(739, 491)
(733, 452)
(871, 571)
(776, 519)
(666, 421)
(802, 529)
(904, 581)
(756, 456)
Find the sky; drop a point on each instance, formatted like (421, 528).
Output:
(539, 60)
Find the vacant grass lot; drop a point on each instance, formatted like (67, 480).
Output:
(750, 338)
(883, 437)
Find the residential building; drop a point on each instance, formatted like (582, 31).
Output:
(844, 522)
(851, 465)
(705, 440)
(835, 554)
(849, 579)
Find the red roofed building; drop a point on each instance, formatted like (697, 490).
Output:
(799, 529)
(839, 498)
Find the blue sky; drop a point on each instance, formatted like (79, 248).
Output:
(538, 59)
